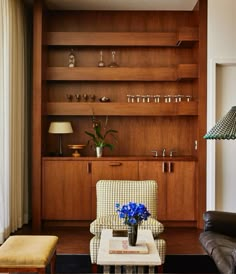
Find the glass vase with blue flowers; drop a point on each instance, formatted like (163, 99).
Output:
(133, 214)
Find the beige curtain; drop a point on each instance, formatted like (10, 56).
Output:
(13, 123)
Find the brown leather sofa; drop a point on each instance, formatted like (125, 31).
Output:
(219, 239)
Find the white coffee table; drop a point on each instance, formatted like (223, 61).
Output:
(106, 259)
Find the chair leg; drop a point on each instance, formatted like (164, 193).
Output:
(53, 264)
(94, 268)
(160, 269)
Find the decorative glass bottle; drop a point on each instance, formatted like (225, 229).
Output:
(71, 63)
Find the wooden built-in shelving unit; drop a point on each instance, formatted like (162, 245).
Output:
(158, 53)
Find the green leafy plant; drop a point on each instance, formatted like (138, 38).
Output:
(100, 134)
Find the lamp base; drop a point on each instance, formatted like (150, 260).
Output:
(60, 154)
(54, 154)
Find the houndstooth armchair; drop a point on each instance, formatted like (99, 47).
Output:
(110, 192)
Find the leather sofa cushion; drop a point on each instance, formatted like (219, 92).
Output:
(220, 222)
(221, 248)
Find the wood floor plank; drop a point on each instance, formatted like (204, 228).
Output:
(75, 240)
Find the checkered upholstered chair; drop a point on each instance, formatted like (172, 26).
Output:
(110, 192)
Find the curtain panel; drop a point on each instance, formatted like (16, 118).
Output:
(13, 118)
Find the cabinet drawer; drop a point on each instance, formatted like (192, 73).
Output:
(114, 170)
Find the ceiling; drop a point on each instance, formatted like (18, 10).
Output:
(121, 4)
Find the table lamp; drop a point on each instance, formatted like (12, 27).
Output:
(225, 128)
(60, 128)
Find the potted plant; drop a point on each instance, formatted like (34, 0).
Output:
(99, 136)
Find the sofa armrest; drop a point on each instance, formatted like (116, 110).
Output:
(220, 222)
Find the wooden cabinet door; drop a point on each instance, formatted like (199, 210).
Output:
(176, 188)
(66, 193)
(153, 170)
(181, 191)
(111, 170)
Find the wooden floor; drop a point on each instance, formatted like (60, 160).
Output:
(75, 240)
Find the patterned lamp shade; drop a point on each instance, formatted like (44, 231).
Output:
(225, 128)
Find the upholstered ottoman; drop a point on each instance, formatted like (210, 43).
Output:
(28, 254)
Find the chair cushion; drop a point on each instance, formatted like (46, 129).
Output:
(114, 222)
(27, 251)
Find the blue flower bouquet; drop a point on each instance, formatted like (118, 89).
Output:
(132, 213)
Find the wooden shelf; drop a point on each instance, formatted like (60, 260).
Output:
(123, 73)
(122, 158)
(170, 39)
(123, 109)
(187, 36)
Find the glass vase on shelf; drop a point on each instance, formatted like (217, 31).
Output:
(71, 63)
(101, 63)
(113, 63)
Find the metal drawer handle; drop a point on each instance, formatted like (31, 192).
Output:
(89, 167)
(164, 169)
(115, 164)
(170, 167)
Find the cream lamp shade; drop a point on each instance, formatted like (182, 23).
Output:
(60, 128)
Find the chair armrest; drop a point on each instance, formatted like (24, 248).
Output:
(220, 222)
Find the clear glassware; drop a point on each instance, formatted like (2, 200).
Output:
(157, 98)
(85, 97)
(92, 97)
(77, 97)
(71, 62)
(138, 97)
(178, 98)
(144, 98)
(69, 97)
(167, 98)
(113, 63)
(101, 63)
(149, 98)
(128, 98)
(132, 98)
(188, 98)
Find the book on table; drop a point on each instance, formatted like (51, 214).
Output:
(121, 246)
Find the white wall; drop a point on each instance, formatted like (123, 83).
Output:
(225, 150)
(221, 170)
(221, 29)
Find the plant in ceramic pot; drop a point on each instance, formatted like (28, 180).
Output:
(133, 214)
(99, 136)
